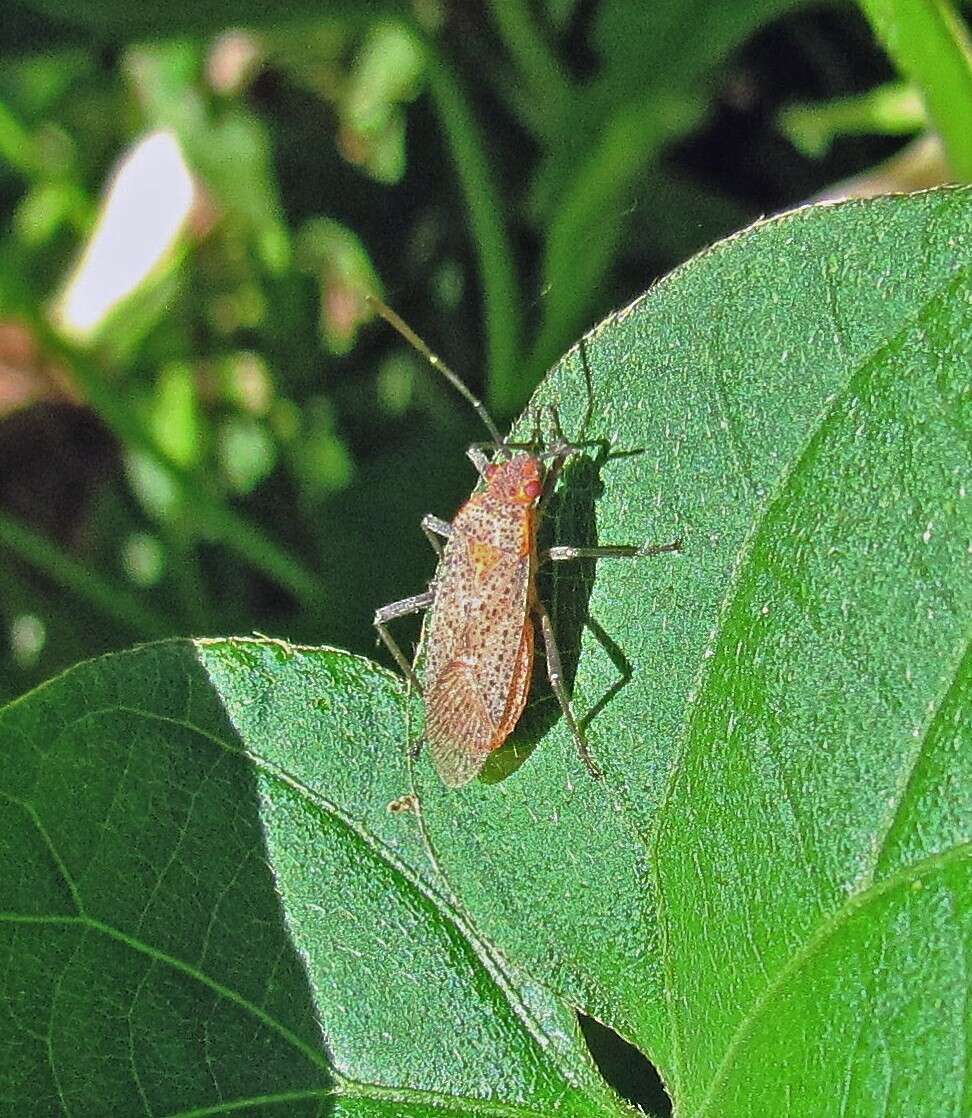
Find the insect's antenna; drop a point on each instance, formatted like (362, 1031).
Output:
(436, 362)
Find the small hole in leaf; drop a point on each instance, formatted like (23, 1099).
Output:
(629, 1072)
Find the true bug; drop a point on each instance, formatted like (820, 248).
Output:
(479, 637)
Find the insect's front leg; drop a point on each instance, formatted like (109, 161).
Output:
(558, 456)
(478, 457)
(391, 612)
(556, 676)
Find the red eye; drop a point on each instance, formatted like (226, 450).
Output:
(533, 489)
(491, 471)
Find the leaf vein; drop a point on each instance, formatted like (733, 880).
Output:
(32, 814)
(740, 570)
(900, 879)
(489, 959)
(92, 923)
(956, 675)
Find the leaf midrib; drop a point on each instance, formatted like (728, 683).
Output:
(956, 676)
(345, 1087)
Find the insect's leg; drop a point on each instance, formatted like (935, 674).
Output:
(560, 439)
(556, 676)
(415, 747)
(478, 458)
(436, 529)
(401, 609)
(506, 447)
(537, 438)
(559, 457)
(621, 551)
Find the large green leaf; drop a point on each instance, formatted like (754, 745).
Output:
(197, 914)
(207, 901)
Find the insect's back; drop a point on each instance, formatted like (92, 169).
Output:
(479, 642)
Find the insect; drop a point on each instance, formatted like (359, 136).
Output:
(479, 639)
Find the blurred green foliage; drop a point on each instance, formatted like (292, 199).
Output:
(236, 448)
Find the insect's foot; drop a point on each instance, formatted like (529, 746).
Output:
(589, 763)
(414, 750)
(659, 548)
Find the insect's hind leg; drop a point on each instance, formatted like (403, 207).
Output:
(620, 551)
(436, 530)
(556, 676)
(392, 612)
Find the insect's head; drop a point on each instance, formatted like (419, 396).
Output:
(519, 480)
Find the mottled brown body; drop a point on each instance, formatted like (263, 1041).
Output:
(479, 640)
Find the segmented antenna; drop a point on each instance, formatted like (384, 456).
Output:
(437, 363)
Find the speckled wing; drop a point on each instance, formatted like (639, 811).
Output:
(479, 644)
(459, 727)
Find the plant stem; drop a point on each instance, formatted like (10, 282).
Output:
(545, 79)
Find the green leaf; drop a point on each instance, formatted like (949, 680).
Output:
(930, 44)
(201, 914)
(206, 899)
(608, 136)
